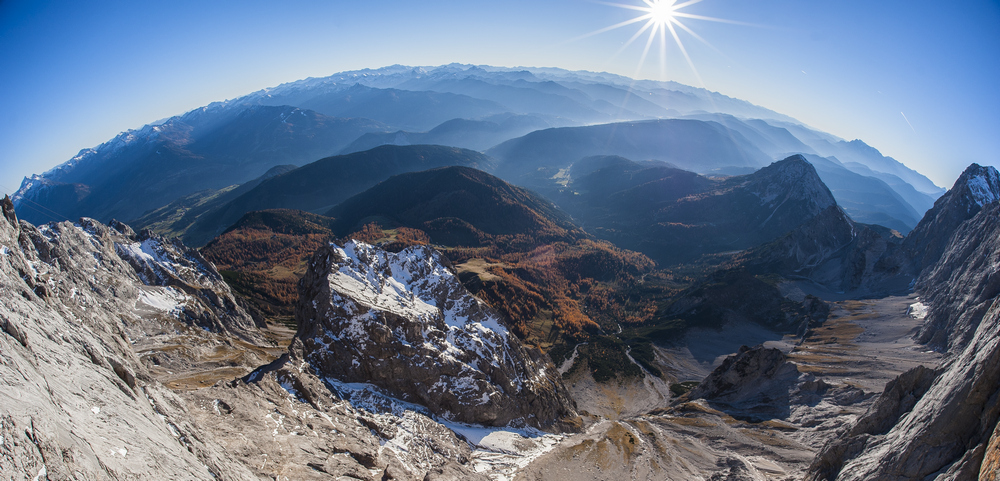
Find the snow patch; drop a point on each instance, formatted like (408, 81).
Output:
(502, 452)
(167, 300)
(983, 187)
(917, 310)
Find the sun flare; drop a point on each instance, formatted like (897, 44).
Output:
(660, 18)
(661, 12)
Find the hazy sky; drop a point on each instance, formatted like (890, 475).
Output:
(916, 79)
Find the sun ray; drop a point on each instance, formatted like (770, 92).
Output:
(663, 54)
(713, 19)
(685, 4)
(608, 29)
(683, 50)
(624, 5)
(634, 38)
(699, 38)
(649, 43)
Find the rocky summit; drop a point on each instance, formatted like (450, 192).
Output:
(404, 323)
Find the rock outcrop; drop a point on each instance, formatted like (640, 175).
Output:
(76, 400)
(975, 188)
(753, 383)
(403, 322)
(960, 287)
(95, 318)
(948, 430)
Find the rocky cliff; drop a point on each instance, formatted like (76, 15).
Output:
(77, 400)
(404, 323)
(976, 187)
(929, 425)
(962, 284)
(97, 320)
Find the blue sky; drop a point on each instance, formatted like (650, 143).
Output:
(74, 74)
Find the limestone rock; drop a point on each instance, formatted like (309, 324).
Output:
(76, 401)
(975, 188)
(403, 322)
(946, 433)
(755, 383)
(961, 285)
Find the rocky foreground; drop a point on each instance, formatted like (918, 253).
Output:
(124, 355)
(100, 319)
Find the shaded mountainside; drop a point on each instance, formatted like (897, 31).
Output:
(455, 206)
(939, 425)
(866, 199)
(327, 182)
(677, 216)
(208, 148)
(833, 251)
(463, 133)
(533, 160)
(174, 219)
(976, 187)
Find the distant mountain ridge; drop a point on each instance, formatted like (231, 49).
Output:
(326, 182)
(208, 148)
(229, 143)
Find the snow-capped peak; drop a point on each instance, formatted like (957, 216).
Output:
(984, 184)
(403, 322)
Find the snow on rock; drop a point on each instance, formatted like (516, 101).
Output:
(178, 281)
(984, 185)
(77, 401)
(404, 323)
(163, 299)
(917, 310)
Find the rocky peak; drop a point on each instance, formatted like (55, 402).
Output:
(755, 382)
(976, 187)
(792, 179)
(404, 323)
(7, 207)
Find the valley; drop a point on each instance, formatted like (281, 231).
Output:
(578, 276)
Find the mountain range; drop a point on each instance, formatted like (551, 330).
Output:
(482, 108)
(471, 272)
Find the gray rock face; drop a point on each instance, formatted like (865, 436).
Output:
(975, 188)
(93, 316)
(960, 287)
(946, 433)
(76, 402)
(754, 383)
(404, 323)
(898, 399)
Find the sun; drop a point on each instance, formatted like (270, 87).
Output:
(660, 18)
(661, 12)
